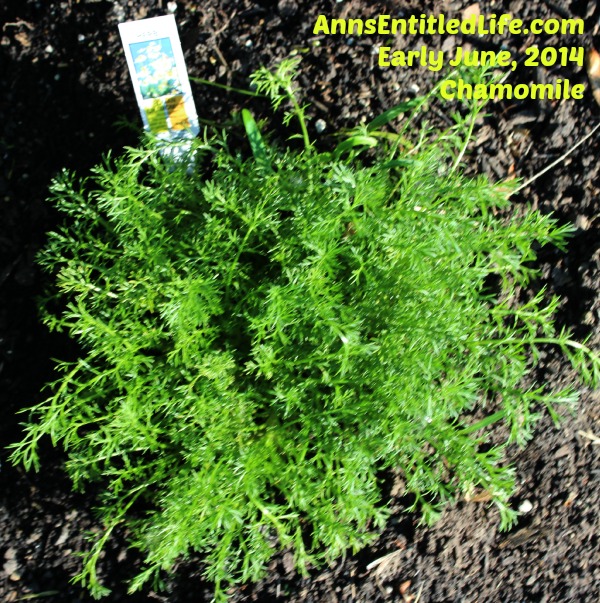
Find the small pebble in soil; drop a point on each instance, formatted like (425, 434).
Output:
(320, 126)
(172, 7)
(526, 506)
(49, 49)
(11, 566)
(287, 8)
(119, 12)
(80, 37)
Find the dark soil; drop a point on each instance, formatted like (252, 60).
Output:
(67, 99)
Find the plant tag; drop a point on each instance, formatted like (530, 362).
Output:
(160, 79)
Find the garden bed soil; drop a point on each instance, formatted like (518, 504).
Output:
(67, 99)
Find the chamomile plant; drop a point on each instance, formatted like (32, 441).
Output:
(264, 338)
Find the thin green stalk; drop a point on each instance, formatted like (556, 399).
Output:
(300, 114)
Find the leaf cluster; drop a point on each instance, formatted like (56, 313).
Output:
(262, 339)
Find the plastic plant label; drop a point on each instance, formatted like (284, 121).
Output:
(160, 80)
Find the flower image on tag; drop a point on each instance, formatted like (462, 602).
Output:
(155, 68)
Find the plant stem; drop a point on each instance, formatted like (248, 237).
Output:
(300, 114)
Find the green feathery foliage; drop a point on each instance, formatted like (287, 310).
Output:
(262, 340)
